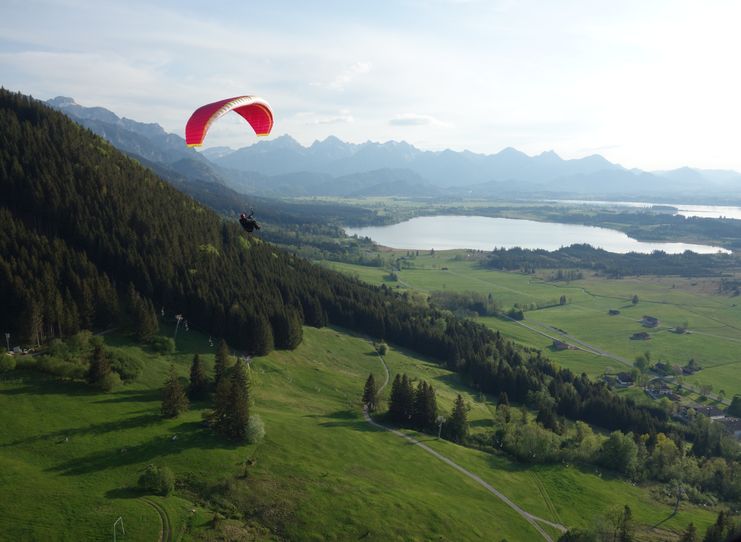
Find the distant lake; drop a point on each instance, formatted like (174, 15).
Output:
(484, 233)
(683, 209)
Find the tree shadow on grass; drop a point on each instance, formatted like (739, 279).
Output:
(124, 493)
(453, 381)
(131, 396)
(189, 435)
(345, 418)
(93, 429)
(42, 384)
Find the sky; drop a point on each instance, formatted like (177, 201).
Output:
(650, 85)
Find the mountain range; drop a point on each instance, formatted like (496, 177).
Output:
(283, 167)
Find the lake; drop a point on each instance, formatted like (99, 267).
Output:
(683, 209)
(485, 233)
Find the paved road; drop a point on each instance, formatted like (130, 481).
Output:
(530, 518)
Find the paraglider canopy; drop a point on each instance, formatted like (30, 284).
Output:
(254, 110)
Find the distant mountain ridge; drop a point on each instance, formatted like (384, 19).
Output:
(445, 168)
(282, 167)
(508, 173)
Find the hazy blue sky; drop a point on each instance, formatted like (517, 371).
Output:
(650, 84)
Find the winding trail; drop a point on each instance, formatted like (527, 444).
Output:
(532, 519)
(165, 529)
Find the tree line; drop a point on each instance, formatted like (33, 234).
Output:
(582, 256)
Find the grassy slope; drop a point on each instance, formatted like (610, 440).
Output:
(321, 473)
(715, 320)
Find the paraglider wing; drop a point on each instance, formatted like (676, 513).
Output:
(254, 110)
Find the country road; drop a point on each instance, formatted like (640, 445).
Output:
(530, 518)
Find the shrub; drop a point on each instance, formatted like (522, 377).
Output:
(128, 368)
(61, 368)
(162, 345)
(255, 429)
(7, 363)
(109, 381)
(157, 480)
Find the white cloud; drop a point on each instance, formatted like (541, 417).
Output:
(653, 84)
(313, 119)
(413, 119)
(347, 75)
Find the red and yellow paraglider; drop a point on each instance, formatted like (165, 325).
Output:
(254, 110)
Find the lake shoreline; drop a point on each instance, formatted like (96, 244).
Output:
(448, 232)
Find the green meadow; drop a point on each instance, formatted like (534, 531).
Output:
(70, 458)
(713, 320)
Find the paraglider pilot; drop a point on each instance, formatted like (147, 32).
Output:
(248, 223)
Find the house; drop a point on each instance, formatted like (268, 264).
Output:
(560, 345)
(613, 312)
(663, 368)
(709, 411)
(640, 336)
(657, 389)
(649, 321)
(624, 379)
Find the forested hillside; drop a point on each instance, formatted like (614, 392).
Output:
(78, 195)
(105, 225)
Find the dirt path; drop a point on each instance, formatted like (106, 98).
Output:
(165, 530)
(530, 518)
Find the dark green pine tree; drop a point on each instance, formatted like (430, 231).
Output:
(261, 335)
(626, 527)
(717, 531)
(198, 387)
(221, 362)
(690, 534)
(457, 426)
(239, 404)
(396, 407)
(222, 403)
(143, 318)
(370, 393)
(99, 372)
(430, 408)
(287, 329)
(407, 398)
(424, 410)
(174, 400)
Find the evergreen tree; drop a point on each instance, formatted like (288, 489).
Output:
(424, 411)
(221, 362)
(396, 406)
(99, 372)
(144, 319)
(407, 398)
(198, 380)
(174, 400)
(690, 534)
(626, 527)
(418, 405)
(238, 417)
(503, 399)
(457, 426)
(222, 404)
(261, 335)
(287, 330)
(717, 531)
(232, 404)
(370, 393)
